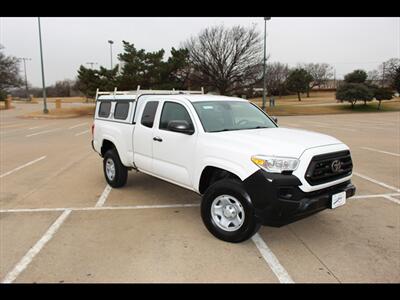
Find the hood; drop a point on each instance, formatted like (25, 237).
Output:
(276, 141)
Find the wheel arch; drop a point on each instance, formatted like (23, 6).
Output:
(211, 173)
(106, 145)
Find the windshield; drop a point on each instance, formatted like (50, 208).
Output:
(231, 115)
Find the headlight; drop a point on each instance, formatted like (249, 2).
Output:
(275, 164)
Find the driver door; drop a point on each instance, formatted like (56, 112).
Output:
(173, 152)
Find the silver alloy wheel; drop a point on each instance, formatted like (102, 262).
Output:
(110, 169)
(227, 212)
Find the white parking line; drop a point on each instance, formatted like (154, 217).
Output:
(392, 199)
(377, 182)
(42, 132)
(374, 196)
(276, 267)
(26, 260)
(380, 151)
(36, 127)
(83, 132)
(78, 125)
(94, 208)
(103, 196)
(23, 166)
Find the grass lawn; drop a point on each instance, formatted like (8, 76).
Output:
(63, 113)
(320, 103)
(66, 99)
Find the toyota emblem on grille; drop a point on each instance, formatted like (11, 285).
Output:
(336, 166)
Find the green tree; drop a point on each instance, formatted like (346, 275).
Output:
(353, 92)
(177, 70)
(382, 93)
(9, 74)
(141, 68)
(91, 79)
(357, 76)
(298, 81)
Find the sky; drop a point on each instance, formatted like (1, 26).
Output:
(345, 43)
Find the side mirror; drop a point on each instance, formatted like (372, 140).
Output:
(181, 126)
(275, 119)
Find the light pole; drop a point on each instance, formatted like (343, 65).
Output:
(91, 64)
(265, 60)
(45, 110)
(111, 42)
(26, 78)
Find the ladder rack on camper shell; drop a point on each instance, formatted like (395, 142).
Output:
(140, 92)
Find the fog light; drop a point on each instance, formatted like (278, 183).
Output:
(285, 193)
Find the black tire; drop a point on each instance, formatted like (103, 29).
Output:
(232, 188)
(121, 172)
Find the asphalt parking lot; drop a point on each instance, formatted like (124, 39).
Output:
(60, 222)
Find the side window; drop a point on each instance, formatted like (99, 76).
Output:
(104, 110)
(149, 113)
(173, 112)
(121, 110)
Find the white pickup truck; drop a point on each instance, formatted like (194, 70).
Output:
(249, 171)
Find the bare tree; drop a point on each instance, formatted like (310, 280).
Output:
(227, 60)
(373, 76)
(276, 76)
(321, 73)
(387, 71)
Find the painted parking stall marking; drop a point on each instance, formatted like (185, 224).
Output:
(103, 196)
(26, 260)
(78, 125)
(381, 151)
(42, 132)
(23, 166)
(96, 208)
(83, 132)
(270, 258)
(37, 127)
(377, 182)
(390, 198)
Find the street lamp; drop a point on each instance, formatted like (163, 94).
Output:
(111, 42)
(91, 64)
(26, 78)
(265, 60)
(45, 110)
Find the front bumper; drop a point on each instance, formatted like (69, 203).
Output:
(278, 200)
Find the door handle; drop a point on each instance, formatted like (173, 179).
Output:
(157, 139)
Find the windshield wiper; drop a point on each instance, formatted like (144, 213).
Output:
(257, 127)
(225, 129)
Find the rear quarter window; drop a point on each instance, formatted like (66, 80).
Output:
(149, 113)
(121, 110)
(104, 109)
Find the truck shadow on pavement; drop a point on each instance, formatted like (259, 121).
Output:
(143, 189)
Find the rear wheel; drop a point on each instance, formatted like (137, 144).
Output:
(227, 211)
(115, 172)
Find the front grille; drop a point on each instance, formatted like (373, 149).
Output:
(329, 167)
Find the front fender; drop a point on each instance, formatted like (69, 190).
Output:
(241, 170)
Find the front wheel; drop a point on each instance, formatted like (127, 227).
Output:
(115, 172)
(227, 211)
